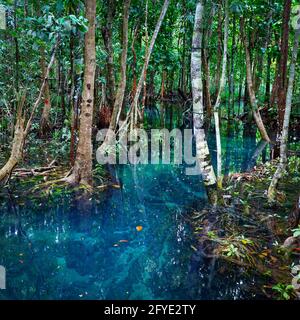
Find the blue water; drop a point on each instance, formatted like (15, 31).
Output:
(54, 251)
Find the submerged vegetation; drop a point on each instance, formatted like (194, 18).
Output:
(227, 71)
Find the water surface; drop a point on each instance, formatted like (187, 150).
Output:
(54, 251)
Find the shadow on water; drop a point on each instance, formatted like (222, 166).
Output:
(51, 251)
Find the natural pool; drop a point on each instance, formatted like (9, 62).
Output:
(53, 251)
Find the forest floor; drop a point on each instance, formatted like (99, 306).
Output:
(249, 233)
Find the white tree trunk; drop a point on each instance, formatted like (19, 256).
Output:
(202, 151)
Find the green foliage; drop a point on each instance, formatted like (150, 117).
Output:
(296, 232)
(284, 291)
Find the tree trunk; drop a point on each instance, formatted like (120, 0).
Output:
(82, 171)
(17, 144)
(232, 84)
(285, 131)
(45, 125)
(144, 98)
(72, 102)
(134, 62)
(202, 151)
(253, 100)
(22, 130)
(183, 58)
(218, 102)
(17, 51)
(284, 52)
(219, 55)
(122, 86)
(134, 107)
(206, 64)
(268, 81)
(107, 33)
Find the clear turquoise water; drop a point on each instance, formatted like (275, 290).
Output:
(53, 251)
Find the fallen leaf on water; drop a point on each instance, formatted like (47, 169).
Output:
(139, 228)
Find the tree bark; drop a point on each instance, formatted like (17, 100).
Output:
(107, 33)
(285, 132)
(82, 171)
(122, 86)
(22, 129)
(134, 107)
(202, 151)
(219, 54)
(284, 52)
(206, 64)
(45, 125)
(232, 69)
(134, 61)
(268, 81)
(253, 100)
(218, 101)
(17, 144)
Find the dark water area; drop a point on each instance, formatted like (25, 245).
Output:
(53, 251)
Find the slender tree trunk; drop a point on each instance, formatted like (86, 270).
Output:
(122, 86)
(82, 171)
(232, 70)
(17, 51)
(206, 64)
(202, 151)
(17, 144)
(72, 104)
(134, 62)
(107, 33)
(218, 102)
(22, 129)
(163, 81)
(45, 125)
(183, 58)
(285, 131)
(219, 56)
(284, 52)
(268, 81)
(134, 107)
(261, 56)
(253, 100)
(144, 98)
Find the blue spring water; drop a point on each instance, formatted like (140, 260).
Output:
(54, 252)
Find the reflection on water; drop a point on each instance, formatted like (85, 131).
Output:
(52, 251)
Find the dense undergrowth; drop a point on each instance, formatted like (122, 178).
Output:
(250, 233)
